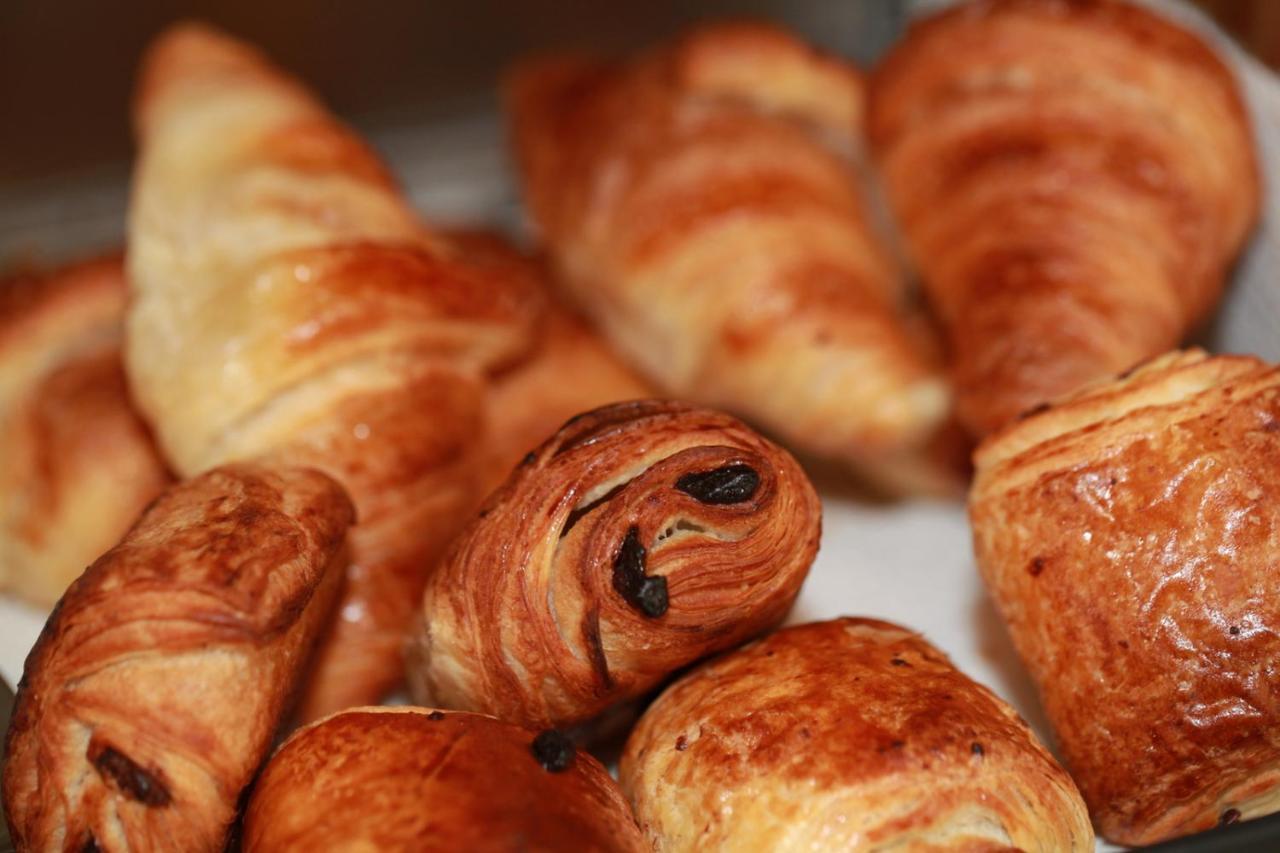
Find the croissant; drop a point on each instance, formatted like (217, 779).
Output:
(1130, 536)
(1073, 181)
(640, 537)
(158, 683)
(287, 301)
(852, 734)
(701, 205)
(409, 779)
(77, 464)
(570, 369)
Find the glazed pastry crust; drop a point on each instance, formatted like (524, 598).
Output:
(523, 618)
(408, 779)
(852, 734)
(156, 686)
(287, 301)
(77, 465)
(1073, 179)
(702, 207)
(569, 370)
(1129, 535)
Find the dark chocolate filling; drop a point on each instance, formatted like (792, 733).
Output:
(554, 751)
(731, 484)
(134, 782)
(646, 594)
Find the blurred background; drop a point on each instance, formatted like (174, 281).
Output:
(418, 77)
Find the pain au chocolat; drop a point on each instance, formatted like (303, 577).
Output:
(852, 734)
(1130, 536)
(160, 680)
(639, 538)
(411, 780)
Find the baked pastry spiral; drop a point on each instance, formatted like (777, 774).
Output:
(156, 686)
(77, 465)
(411, 779)
(637, 539)
(287, 301)
(702, 207)
(1073, 180)
(1130, 536)
(852, 734)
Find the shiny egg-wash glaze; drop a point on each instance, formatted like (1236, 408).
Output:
(412, 780)
(638, 539)
(157, 685)
(1073, 179)
(1131, 538)
(701, 204)
(287, 300)
(570, 369)
(77, 464)
(852, 734)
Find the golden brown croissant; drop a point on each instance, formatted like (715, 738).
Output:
(77, 464)
(853, 734)
(639, 538)
(159, 681)
(1131, 536)
(286, 300)
(1073, 179)
(701, 204)
(410, 779)
(570, 369)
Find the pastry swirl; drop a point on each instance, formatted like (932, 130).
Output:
(1073, 180)
(158, 683)
(852, 734)
(411, 779)
(77, 464)
(1130, 535)
(287, 301)
(639, 538)
(701, 205)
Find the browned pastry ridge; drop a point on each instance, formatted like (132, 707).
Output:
(570, 369)
(639, 538)
(1130, 536)
(156, 686)
(1073, 180)
(286, 301)
(852, 734)
(701, 203)
(410, 779)
(77, 464)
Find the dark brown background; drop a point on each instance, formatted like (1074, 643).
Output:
(66, 67)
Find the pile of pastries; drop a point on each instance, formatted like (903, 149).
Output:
(314, 450)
